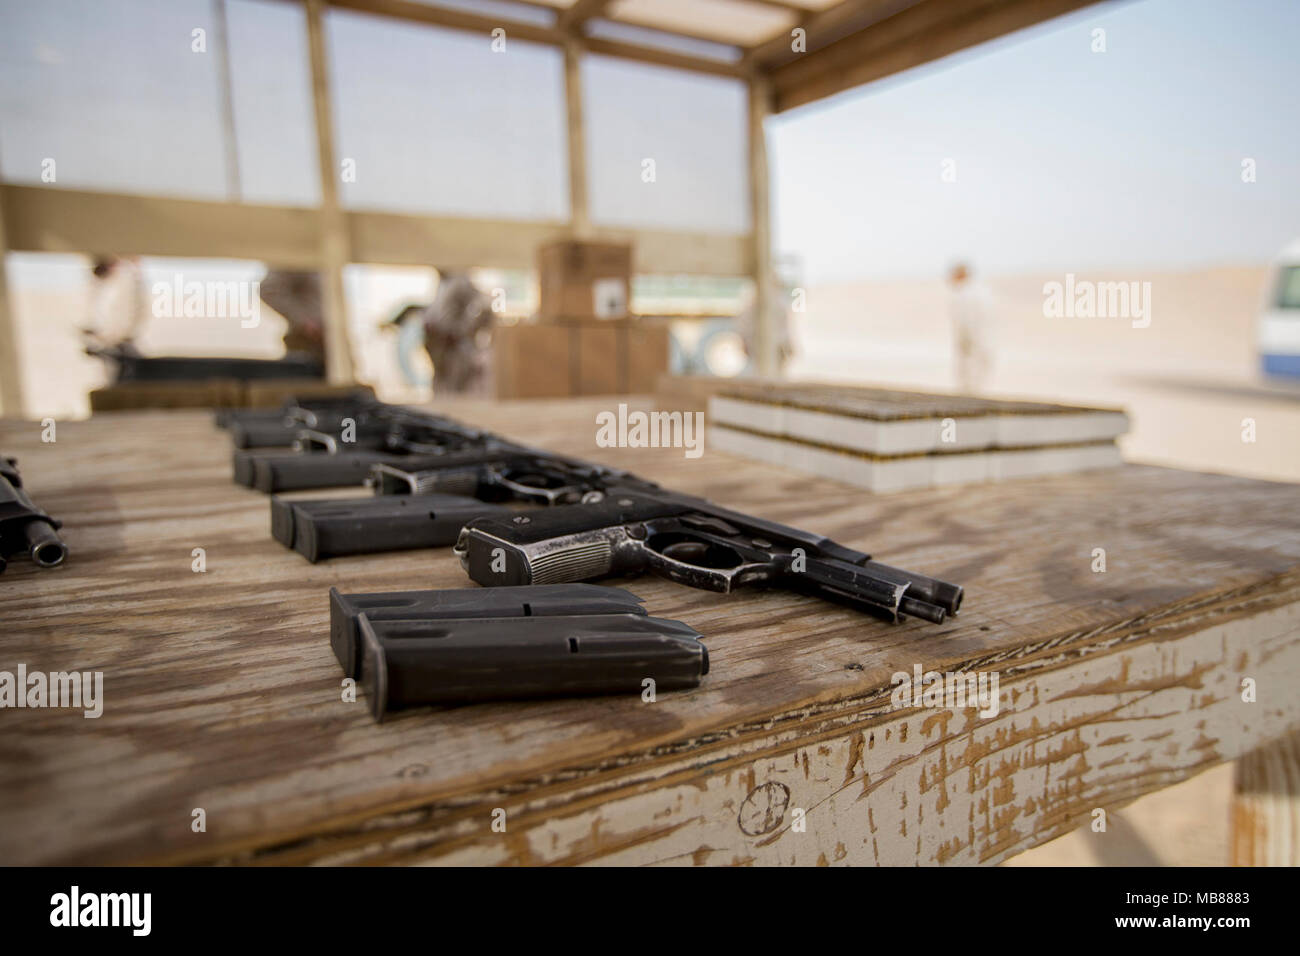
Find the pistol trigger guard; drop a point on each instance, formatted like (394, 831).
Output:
(708, 579)
(309, 439)
(550, 496)
(723, 580)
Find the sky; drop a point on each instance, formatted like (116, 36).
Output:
(1063, 158)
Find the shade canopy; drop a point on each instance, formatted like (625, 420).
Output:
(465, 158)
(809, 48)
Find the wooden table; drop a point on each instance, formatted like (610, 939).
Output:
(221, 692)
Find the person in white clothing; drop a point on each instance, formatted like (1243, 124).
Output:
(119, 304)
(971, 306)
(746, 326)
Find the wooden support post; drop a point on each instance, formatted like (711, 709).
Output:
(579, 214)
(1266, 805)
(230, 136)
(760, 97)
(11, 369)
(572, 19)
(333, 224)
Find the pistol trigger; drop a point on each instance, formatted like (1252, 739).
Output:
(709, 523)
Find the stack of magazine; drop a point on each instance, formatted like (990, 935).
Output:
(888, 440)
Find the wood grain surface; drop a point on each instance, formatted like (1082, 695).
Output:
(221, 692)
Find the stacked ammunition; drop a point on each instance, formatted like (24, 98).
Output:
(887, 440)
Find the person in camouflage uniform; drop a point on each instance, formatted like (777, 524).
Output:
(456, 329)
(299, 298)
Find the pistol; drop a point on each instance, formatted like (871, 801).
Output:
(277, 428)
(386, 435)
(693, 542)
(24, 528)
(427, 508)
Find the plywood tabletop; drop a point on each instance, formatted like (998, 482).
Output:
(221, 692)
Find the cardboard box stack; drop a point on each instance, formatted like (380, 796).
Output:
(584, 280)
(584, 341)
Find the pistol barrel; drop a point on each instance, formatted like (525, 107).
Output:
(44, 544)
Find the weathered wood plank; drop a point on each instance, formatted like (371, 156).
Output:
(928, 787)
(221, 691)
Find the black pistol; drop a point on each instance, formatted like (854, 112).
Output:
(344, 526)
(387, 435)
(24, 528)
(412, 648)
(693, 542)
(277, 428)
(427, 508)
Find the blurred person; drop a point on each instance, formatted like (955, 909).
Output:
(457, 331)
(971, 307)
(408, 325)
(299, 298)
(779, 312)
(119, 304)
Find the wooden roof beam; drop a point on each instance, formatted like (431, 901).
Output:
(660, 57)
(572, 19)
(782, 5)
(922, 33)
(412, 12)
(452, 18)
(823, 27)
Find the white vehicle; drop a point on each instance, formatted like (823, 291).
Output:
(1279, 322)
